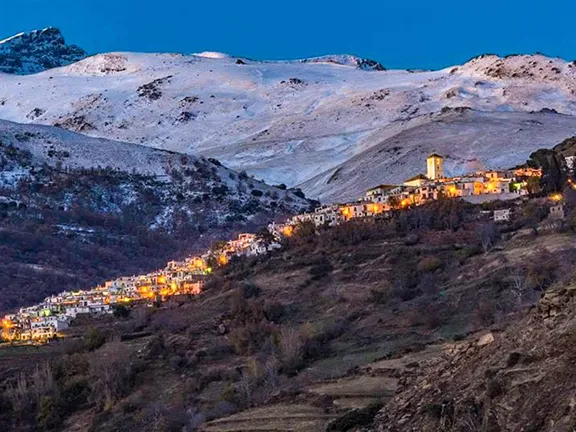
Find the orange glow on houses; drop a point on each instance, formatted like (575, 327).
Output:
(376, 208)
(193, 288)
(146, 292)
(162, 280)
(556, 197)
(7, 324)
(452, 191)
(222, 260)
(490, 187)
(288, 230)
(346, 212)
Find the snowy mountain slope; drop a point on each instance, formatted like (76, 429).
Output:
(285, 122)
(36, 51)
(469, 140)
(52, 145)
(72, 151)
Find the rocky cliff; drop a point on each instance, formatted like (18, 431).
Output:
(37, 51)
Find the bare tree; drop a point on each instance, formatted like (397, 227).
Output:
(110, 373)
(18, 394)
(291, 349)
(488, 234)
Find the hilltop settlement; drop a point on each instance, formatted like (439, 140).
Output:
(44, 321)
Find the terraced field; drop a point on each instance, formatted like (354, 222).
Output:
(374, 383)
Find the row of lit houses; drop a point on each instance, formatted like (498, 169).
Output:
(379, 200)
(48, 319)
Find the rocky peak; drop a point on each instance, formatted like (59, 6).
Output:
(536, 67)
(348, 60)
(36, 51)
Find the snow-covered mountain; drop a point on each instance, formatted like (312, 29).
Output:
(470, 140)
(297, 122)
(37, 51)
(187, 180)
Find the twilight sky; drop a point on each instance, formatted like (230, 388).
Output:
(399, 33)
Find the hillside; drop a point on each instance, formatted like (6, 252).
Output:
(316, 336)
(75, 211)
(528, 370)
(293, 122)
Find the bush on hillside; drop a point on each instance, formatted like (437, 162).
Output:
(429, 264)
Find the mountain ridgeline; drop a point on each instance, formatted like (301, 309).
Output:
(330, 125)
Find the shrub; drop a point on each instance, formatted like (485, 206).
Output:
(429, 264)
(488, 234)
(321, 268)
(381, 294)
(110, 373)
(248, 339)
(94, 338)
(250, 290)
(229, 394)
(467, 252)
(50, 413)
(485, 313)
(494, 389)
(220, 190)
(75, 392)
(291, 351)
(299, 193)
(275, 312)
(120, 311)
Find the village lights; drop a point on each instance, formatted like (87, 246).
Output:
(7, 324)
(186, 277)
(556, 197)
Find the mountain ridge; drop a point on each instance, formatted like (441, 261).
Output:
(292, 122)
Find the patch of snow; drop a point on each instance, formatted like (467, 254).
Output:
(212, 55)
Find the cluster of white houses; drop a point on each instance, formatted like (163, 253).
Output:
(46, 320)
(474, 187)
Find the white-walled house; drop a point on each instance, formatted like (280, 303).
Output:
(502, 215)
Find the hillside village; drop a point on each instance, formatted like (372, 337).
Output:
(44, 321)
(378, 201)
